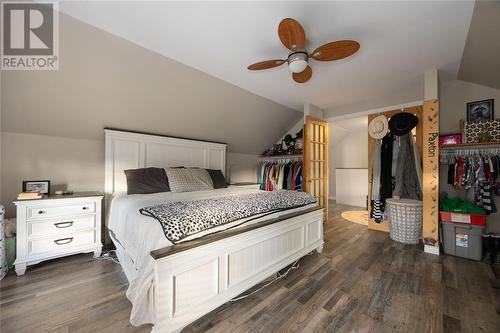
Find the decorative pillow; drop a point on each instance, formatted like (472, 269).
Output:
(146, 180)
(189, 180)
(473, 130)
(217, 178)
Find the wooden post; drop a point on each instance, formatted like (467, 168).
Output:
(431, 162)
(431, 176)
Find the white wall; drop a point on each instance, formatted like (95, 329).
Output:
(348, 147)
(351, 187)
(242, 168)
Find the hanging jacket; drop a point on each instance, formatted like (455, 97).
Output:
(376, 171)
(407, 184)
(386, 169)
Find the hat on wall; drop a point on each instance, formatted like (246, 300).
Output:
(378, 127)
(402, 123)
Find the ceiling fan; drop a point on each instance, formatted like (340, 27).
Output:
(293, 37)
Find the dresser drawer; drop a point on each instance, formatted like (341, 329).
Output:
(40, 211)
(60, 243)
(60, 226)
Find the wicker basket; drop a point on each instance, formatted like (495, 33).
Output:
(405, 220)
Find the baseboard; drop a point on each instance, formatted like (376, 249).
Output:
(431, 249)
(332, 198)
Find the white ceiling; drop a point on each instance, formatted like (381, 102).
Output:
(399, 41)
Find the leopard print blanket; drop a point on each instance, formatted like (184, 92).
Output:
(185, 218)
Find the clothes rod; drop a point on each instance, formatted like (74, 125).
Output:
(280, 157)
(470, 151)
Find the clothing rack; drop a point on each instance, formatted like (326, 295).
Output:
(448, 153)
(284, 172)
(280, 158)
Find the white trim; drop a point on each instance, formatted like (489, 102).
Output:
(431, 249)
(377, 110)
(332, 198)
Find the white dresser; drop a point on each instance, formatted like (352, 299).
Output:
(57, 226)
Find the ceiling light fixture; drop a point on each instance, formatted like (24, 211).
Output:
(297, 62)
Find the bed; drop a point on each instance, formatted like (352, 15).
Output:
(172, 285)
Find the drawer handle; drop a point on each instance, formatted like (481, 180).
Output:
(63, 241)
(85, 208)
(41, 212)
(64, 224)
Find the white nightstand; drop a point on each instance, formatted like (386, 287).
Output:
(57, 226)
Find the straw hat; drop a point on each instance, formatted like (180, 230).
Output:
(378, 127)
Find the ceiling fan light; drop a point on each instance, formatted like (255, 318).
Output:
(297, 62)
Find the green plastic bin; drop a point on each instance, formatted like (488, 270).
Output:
(463, 240)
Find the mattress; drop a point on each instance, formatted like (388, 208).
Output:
(137, 235)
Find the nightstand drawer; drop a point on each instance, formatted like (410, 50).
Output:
(60, 226)
(40, 211)
(58, 243)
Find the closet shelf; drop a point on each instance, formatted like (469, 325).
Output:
(263, 157)
(470, 145)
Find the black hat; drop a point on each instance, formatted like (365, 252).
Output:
(402, 123)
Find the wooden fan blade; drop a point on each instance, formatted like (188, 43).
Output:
(335, 50)
(266, 64)
(303, 76)
(292, 34)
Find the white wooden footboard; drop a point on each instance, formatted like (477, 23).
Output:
(191, 282)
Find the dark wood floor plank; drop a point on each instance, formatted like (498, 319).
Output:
(362, 282)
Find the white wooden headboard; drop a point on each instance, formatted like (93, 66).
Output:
(129, 150)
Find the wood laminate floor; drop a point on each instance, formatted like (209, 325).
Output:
(362, 282)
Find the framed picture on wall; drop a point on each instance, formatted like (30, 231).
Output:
(480, 110)
(42, 186)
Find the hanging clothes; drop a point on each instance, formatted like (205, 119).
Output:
(418, 164)
(375, 211)
(280, 174)
(386, 169)
(478, 173)
(376, 171)
(407, 185)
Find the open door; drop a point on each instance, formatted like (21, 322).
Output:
(315, 164)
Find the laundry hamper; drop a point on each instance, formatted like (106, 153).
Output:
(405, 220)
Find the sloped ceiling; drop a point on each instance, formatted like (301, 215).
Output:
(105, 80)
(400, 40)
(481, 57)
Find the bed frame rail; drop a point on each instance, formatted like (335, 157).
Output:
(195, 278)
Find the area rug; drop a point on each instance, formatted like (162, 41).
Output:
(356, 216)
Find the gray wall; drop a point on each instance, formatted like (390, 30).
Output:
(52, 121)
(482, 48)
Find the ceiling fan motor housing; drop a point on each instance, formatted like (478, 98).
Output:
(297, 61)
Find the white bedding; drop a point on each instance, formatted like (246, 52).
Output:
(139, 235)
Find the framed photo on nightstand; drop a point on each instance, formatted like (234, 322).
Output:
(42, 186)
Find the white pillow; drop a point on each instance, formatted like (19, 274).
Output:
(189, 179)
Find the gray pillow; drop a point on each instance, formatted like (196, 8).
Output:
(146, 180)
(189, 180)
